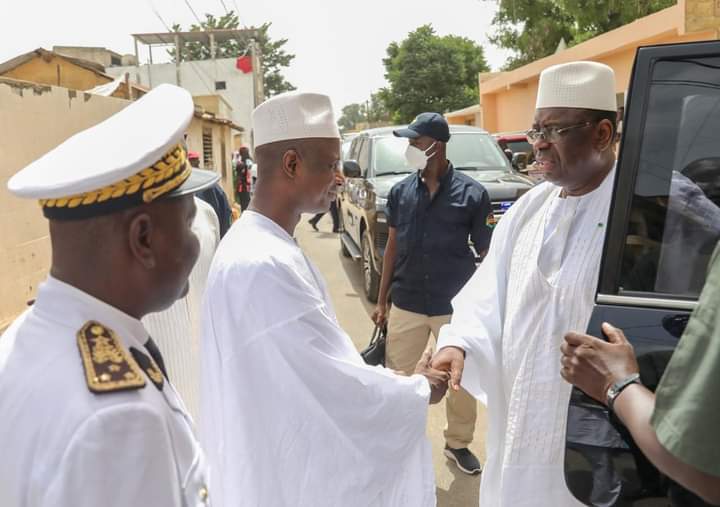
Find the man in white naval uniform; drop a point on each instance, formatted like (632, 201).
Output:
(88, 415)
(291, 415)
(537, 281)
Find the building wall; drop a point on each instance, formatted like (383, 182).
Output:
(103, 56)
(199, 78)
(33, 120)
(214, 104)
(57, 72)
(510, 105)
(221, 138)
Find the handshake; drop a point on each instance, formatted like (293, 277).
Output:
(443, 370)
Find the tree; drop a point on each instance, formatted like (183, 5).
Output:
(273, 57)
(352, 114)
(534, 28)
(427, 72)
(371, 112)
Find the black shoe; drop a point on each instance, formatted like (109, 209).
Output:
(314, 225)
(464, 459)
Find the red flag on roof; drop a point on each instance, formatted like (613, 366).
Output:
(244, 63)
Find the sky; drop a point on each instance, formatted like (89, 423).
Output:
(339, 45)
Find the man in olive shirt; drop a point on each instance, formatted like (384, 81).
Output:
(677, 426)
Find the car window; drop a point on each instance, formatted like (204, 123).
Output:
(346, 150)
(354, 148)
(674, 221)
(519, 146)
(469, 151)
(363, 158)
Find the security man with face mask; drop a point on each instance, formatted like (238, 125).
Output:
(431, 214)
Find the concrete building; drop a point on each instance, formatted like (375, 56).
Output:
(468, 116)
(202, 78)
(50, 68)
(101, 56)
(507, 99)
(241, 90)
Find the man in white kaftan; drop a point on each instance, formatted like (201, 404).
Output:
(291, 414)
(176, 331)
(537, 281)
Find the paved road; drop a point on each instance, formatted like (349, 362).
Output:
(344, 280)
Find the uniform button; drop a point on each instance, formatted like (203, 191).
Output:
(203, 493)
(427, 277)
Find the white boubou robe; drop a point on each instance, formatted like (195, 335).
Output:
(291, 415)
(537, 282)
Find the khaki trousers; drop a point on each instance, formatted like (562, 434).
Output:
(407, 338)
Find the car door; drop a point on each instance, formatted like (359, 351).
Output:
(663, 226)
(352, 212)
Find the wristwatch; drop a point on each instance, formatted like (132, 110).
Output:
(615, 389)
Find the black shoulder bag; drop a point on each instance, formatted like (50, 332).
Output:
(374, 353)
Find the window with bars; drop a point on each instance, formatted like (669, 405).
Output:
(207, 142)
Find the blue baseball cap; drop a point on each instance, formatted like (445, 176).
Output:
(426, 124)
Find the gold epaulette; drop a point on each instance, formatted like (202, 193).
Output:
(108, 367)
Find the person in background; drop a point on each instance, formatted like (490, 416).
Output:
(333, 212)
(243, 177)
(215, 197)
(431, 216)
(176, 330)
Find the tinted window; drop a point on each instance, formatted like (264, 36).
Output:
(519, 146)
(471, 151)
(363, 158)
(675, 217)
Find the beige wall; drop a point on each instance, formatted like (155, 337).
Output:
(102, 56)
(57, 72)
(33, 120)
(214, 104)
(221, 136)
(508, 99)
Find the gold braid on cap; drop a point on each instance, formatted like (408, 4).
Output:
(167, 174)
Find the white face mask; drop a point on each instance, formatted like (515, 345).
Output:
(417, 159)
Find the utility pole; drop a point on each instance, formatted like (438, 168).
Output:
(258, 83)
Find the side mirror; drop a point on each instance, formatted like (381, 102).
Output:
(519, 161)
(351, 169)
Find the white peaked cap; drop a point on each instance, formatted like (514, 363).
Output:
(294, 115)
(133, 157)
(582, 85)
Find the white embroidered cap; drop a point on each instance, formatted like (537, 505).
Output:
(582, 85)
(294, 115)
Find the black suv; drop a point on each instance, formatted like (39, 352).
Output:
(376, 162)
(663, 226)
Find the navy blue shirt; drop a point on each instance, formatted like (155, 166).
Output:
(434, 259)
(215, 197)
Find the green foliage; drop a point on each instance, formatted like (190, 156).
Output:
(352, 114)
(371, 113)
(427, 72)
(273, 57)
(534, 28)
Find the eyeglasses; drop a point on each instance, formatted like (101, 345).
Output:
(553, 134)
